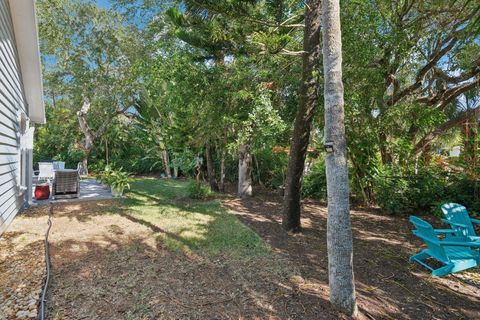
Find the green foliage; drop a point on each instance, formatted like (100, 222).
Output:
(56, 140)
(272, 168)
(117, 179)
(263, 122)
(464, 190)
(424, 191)
(198, 190)
(182, 74)
(315, 182)
(184, 161)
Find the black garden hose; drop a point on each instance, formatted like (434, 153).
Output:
(47, 263)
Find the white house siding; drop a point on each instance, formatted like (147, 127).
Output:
(12, 106)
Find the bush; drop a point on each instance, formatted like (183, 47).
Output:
(391, 192)
(426, 188)
(424, 191)
(198, 190)
(272, 168)
(464, 190)
(117, 179)
(315, 182)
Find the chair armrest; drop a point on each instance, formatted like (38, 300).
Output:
(476, 221)
(454, 223)
(441, 231)
(460, 244)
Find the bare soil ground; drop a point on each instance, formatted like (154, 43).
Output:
(109, 264)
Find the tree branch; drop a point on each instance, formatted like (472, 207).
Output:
(442, 99)
(430, 137)
(433, 60)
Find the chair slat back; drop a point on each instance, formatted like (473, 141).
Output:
(45, 170)
(58, 165)
(425, 231)
(457, 213)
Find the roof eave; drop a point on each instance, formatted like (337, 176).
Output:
(24, 20)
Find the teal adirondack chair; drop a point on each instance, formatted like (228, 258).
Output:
(454, 255)
(457, 217)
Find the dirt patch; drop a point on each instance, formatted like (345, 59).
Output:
(388, 287)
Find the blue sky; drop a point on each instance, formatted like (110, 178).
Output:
(103, 3)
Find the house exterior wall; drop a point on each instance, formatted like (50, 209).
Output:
(13, 123)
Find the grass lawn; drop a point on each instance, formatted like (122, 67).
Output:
(185, 224)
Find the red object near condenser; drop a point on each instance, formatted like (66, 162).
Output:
(42, 191)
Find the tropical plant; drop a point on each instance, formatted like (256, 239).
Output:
(198, 190)
(117, 179)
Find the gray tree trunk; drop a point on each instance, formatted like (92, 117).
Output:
(221, 185)
(212, 180)
(88, 146)
(90, 135)
(307, 103)
(339, 229)
(166, 163)
(244, 171)
(83, 169)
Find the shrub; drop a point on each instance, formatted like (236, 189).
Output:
(424, 191)
(427, 188)
(391, 192)
(464, 190)
(269, 168)
(315, 182)
(198, 190)
(408, 192)
(117, 179)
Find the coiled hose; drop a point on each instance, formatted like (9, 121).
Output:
(47, 263)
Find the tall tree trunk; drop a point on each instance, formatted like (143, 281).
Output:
(339, 229)
(87, 147)
(222, 171)
(166, 163)
(469, 133)
(83, 170)
(384, 152)
(106, 151)
(212, 180)
(90, 135)
(244, 171)
(308, 100)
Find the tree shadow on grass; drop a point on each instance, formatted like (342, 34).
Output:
(125, 277)
(111, 261)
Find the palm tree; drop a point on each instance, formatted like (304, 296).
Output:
(339, 229)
